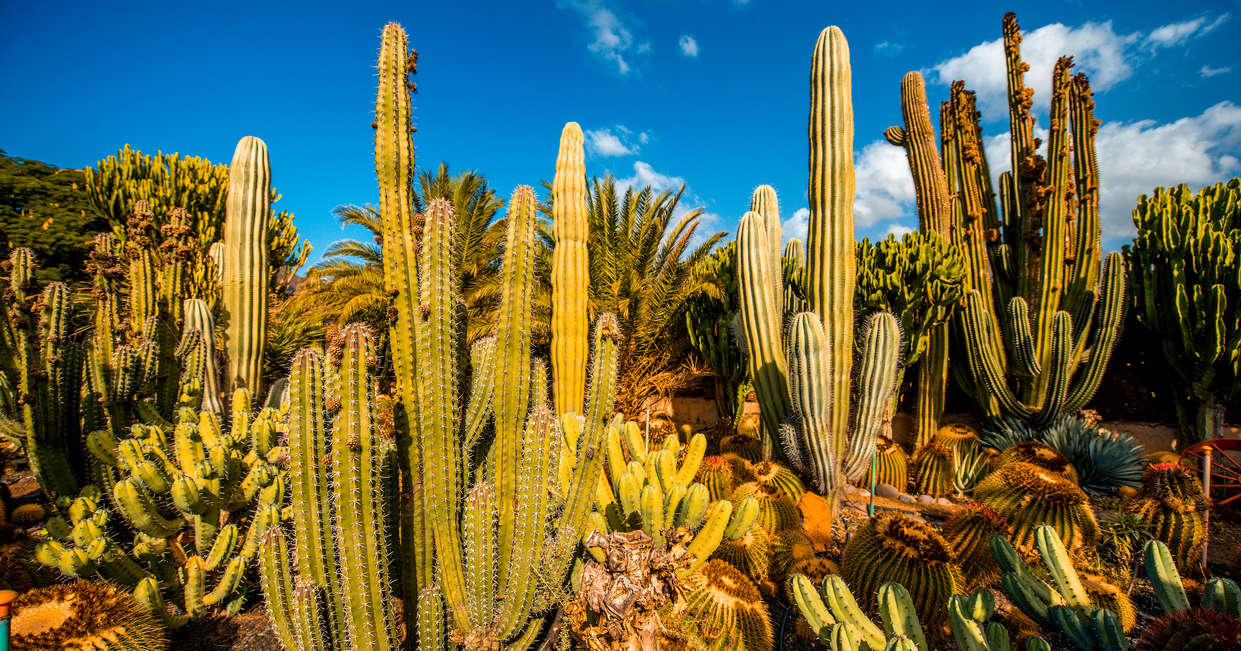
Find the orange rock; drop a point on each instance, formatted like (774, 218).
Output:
(817, 518)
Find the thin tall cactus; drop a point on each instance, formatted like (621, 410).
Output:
(570, 274)
(245, 263)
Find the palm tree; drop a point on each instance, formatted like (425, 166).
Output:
(347, 285)
(641, 256)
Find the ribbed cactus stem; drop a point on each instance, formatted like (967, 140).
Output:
(513, 358)
(359, 466)
(245, 262)
(570, 274)
(831, 267)
(877, 377)
(198, 317)
(765, 202)
(761, 322)
(809, 360)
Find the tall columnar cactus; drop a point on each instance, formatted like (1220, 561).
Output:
(1220, 595)
(245, 263)
(570, 274)
(804, 383)
(198, 317)
(340, 463)
(1037, 344)
(934, 216)
(1185, 268)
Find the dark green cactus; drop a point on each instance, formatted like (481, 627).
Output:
(709, 317)
(1185, 268)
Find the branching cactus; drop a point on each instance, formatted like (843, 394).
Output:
(188, 495)
(1185, 267)
(646, 488)
(1040, 317)
(838, 621)
(804, 384)
(334, 589)
(709, 317)
(245, 263)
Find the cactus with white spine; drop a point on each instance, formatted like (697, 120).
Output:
(244, 276)
(807, 380)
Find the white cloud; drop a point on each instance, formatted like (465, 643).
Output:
(614, 41)
(644, 174)
(1136, 157)
(689, 46)
(1178, 33)
(885, 190)
(888, 48)
(615, 141)
(1097, 48)
(797, 226)
(1207, 71)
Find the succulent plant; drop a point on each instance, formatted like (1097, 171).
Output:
(1067, 606)
(83, 615)
(973, 628)
(727, 608)
(781, 478)
(971, 462)
(969, 532)
(1198, 629)
(752, 554)
(892, 547)
(1029, 496)
(788, 548)
(716, 473)
(933, 470)
(1103, 460)
(1220, 594)
(891, 464)
(1038, 454)
(1184, 267)
(1171, 503)
(709, 317)
(835, 617)
(1040, 315)
(775, 510)
(955, 435)
(570, 274)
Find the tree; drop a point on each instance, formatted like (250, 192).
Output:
(46, 209)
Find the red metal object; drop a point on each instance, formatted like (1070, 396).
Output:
(1225, 474)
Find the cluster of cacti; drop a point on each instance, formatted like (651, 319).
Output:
(486, 547)
(1038, 454)
(895, 547)
(891, 465)
(968, 532)
(933, 470)
(709, 317)
(1185, 268)
(804, 380)
(918, 278)
(1103, 461)
(199, 189)
(726, 609)
(187, 495)
(83, 615)
(1215, 625)
(1066, 607)
(341, 464)
(1172, 505)
(836, 619)
(1040, 317)
(647, 488)
(1028, 496)
(973, 627)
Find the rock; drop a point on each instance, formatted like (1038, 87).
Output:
(910, 499)
(943, 501)
(926, 499)
(887, 490)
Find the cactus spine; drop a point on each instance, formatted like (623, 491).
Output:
(245, 263)
(570, 273)
(1172, 505)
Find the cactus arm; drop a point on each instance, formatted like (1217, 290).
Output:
(1105, 333)
(1060, 566)
(245, 262)
(570, 273)
(810, 604)
(981, 348)
(899, 618)
(1164, 578)
(479, 534)
(831, 267)
(761, 323)
(877, 377)
(845, 608)
(766, 205)
(478, 409)
(512, 361)
(966, 631)
(1223, 596)
(431, 619)
(277, 582)
(809, 361)
(708, 538)
(1069, 622)
(358, 459)
(307, 618)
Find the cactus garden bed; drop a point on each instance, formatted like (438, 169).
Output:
(456, 468)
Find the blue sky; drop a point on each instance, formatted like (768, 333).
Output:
(710, 92)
